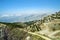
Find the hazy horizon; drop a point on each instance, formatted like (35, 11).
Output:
(12, 8)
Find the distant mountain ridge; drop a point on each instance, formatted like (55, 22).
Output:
(22, 18)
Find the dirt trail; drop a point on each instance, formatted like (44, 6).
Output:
(46, 38)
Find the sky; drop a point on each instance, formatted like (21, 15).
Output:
(24, 7)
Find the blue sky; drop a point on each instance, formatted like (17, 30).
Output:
(24, 7)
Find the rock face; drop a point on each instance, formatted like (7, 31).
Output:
(2, 27)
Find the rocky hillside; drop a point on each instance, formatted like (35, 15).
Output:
(47, 28)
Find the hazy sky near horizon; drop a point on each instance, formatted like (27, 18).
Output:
(20, 7)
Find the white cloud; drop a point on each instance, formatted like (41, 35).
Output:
(5, 15)
(9, 15)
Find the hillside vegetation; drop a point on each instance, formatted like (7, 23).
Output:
(47, 27)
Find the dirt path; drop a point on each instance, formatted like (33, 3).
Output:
(46, 38)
